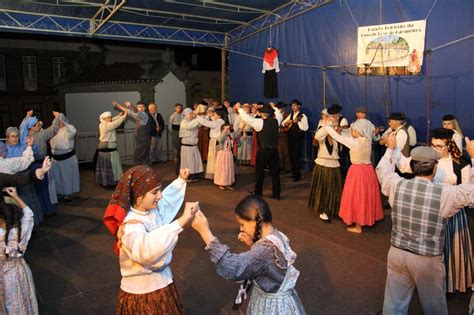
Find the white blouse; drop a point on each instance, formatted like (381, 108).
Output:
(324, 158)
(214, 125)
(17, 164)
(63, 142)
(360, 147)
(188, 131)
(146, 247)
(107, 129)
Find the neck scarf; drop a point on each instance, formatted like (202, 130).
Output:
(135, 183)
(270, 55)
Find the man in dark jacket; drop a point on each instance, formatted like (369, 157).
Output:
(157, 125)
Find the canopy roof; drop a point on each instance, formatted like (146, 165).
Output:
(189, 22)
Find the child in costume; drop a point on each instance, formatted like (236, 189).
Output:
(268, 263)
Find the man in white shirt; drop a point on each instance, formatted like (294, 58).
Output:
(267, 134)
(296, 124)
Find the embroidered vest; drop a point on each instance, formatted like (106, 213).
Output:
(417, 224)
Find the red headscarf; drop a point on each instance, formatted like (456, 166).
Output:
(270, 55)
(135, 182)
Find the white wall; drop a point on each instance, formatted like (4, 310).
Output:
(167, 93)
(83, 111)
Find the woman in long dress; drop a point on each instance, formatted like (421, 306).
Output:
(361, 202)
(65, 167)
(16, 225)
(108, 170)
(224, 176)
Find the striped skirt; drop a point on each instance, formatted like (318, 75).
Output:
(326, 190)
(458, 254)
(162, 301)
(108, 170)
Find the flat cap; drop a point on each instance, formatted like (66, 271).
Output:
(361, 109)
(424, 154)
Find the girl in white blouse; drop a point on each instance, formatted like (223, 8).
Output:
(17, 289)
(140, 216)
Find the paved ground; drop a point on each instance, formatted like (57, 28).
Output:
(76, 270)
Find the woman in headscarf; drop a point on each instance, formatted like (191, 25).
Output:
(450, 122)
(140, 216)
(65, 167)
(361, 202)
(28, 193)
(108, 169)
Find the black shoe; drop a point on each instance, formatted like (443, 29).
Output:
(328, 221)
(274, 197)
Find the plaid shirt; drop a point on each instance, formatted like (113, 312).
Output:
(417, 222)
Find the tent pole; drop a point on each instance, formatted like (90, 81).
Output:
(324, 87)
(223, 68)
(428, 96)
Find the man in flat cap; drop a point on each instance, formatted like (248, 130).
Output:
(420, 210)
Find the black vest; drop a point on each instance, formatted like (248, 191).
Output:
(268, 136)
(295, 130)
(457, 167)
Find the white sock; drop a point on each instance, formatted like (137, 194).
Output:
(323, 216)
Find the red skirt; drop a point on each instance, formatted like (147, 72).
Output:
(361, 201)
(162, 301)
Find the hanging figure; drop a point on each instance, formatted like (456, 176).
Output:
(270, 69)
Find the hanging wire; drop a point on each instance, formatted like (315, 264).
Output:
(429, 12)
(350, 11)
(453, 42)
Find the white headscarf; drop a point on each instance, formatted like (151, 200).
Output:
(363, 127)
(105, 115)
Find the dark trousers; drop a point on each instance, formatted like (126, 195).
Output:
(294, 152)
(267, 156)
(178, 158)
(142, 149)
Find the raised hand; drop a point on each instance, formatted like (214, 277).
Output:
(29, 141)
(190, 209)
(184, 173)
(200, 222)
(29, 113)
(11, 191)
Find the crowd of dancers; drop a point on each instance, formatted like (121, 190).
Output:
(428, 189)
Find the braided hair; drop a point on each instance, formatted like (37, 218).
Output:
(251, 208)
(11, 214)
(454, 150)
(254, 208)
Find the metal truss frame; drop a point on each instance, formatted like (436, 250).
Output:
(64, 25)
(287, 11)
(100, 18)
(101, 25)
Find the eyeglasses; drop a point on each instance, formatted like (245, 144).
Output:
(438, 147)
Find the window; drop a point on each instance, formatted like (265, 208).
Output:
(58, 69)
(30, 74)
(4, 119)
(3, 74)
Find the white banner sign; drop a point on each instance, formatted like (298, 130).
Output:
(395, 49)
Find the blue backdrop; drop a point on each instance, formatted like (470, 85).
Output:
(328, 36)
